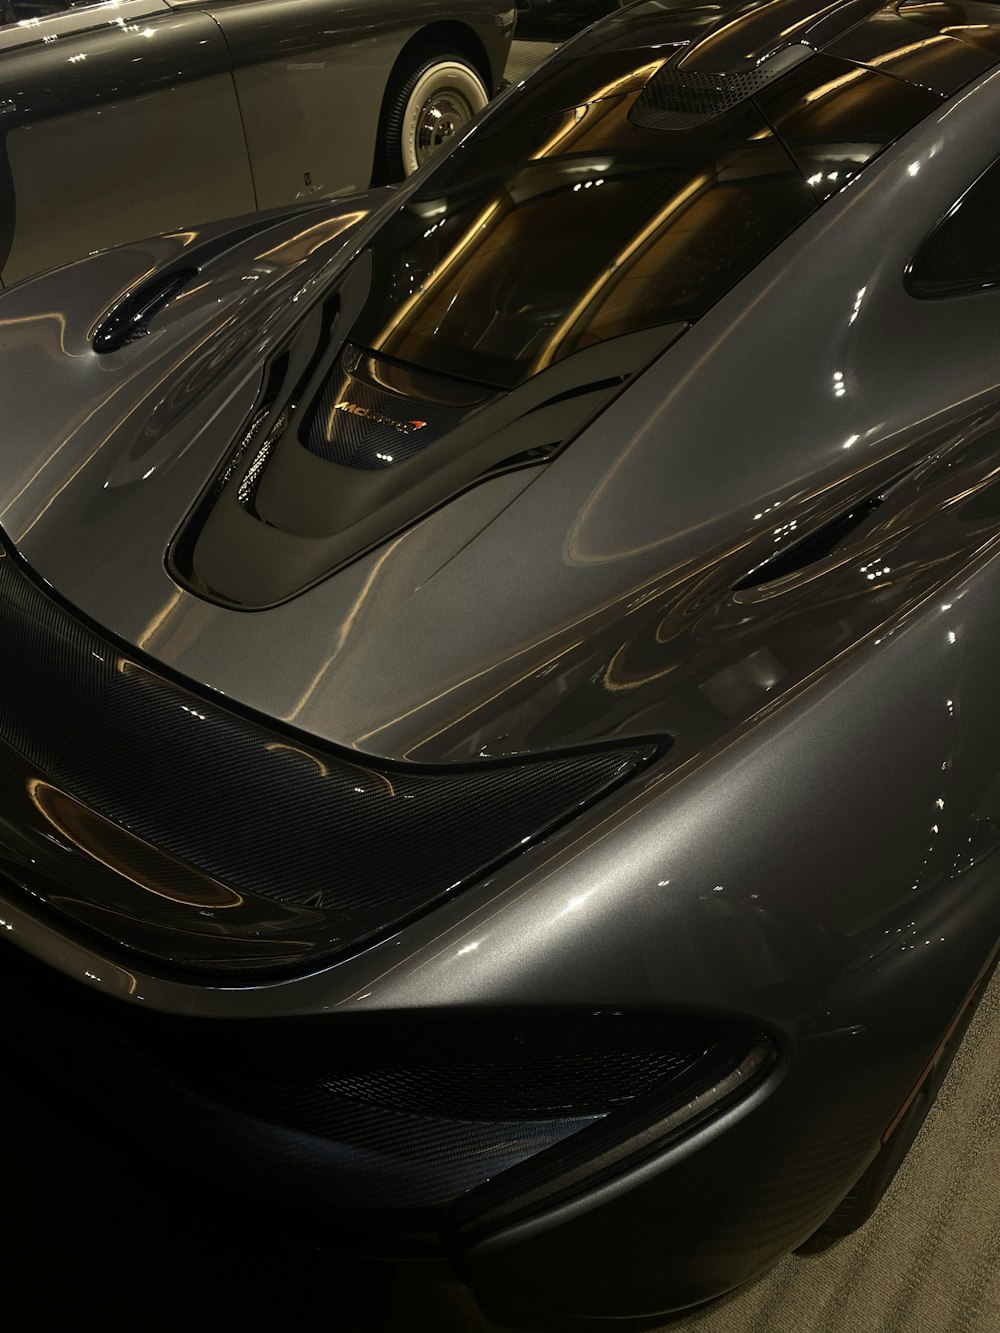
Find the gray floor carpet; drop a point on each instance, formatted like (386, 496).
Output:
(929, 1260)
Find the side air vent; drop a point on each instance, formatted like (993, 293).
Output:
(433, 1125)
(812, 548)
(680, 99)
(962, 254)
(129, 319)
(399, 1113)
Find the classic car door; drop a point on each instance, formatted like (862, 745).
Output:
(118, 119)
(311, 76)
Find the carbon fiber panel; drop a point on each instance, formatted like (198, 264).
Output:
(384, 1156)
(373, 412)
(172, 825)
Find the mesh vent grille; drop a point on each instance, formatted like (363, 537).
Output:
(680, 99)
(553, 1084)
(418, 1136)
(963, 254)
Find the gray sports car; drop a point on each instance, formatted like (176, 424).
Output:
(498, 702)
(120, 118)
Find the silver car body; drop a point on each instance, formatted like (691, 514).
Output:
(812, 855)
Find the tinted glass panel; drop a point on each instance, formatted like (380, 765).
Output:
(915, 49)
(556, 235)
(963, 254)
(970, 21)
(835, 117)
(574, 81)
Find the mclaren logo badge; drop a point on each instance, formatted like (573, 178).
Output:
(379, 418)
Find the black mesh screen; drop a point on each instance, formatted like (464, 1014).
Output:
(963, 254)
(417, 1110)
(539, 1084)
(679, 99)
(175, 826)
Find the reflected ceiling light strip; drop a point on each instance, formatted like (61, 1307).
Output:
(898, 51)
(577, 116)
(825, 89)
(593, 292)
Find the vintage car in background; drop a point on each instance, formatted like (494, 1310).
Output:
(128, 117)
(555, 20)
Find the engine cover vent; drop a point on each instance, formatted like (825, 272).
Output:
(680, 99)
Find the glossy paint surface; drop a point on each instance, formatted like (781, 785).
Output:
(775, 547)
(613, 543)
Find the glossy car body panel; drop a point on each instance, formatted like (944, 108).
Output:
(133, 110)
(774, 549)
(125, 120)
(620, 554)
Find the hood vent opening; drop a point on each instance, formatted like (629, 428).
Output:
(129, 319)
(284, 514)
(812, 548)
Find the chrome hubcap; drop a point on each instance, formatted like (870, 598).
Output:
(441, 116)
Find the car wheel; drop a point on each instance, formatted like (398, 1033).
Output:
(865, 1195)
(426, 105)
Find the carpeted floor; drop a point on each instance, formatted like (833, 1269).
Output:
(929, 1260)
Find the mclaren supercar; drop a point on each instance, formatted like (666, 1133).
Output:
(499, 721)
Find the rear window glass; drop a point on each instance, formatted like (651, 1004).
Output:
(836, 117)
(545, 237)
